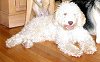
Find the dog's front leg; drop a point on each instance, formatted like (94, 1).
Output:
(87, 44)
(88, 47)
(70, 49)
(98, 33)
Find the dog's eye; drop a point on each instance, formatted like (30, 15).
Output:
(65, 14)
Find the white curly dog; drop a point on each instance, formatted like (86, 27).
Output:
(65, 28)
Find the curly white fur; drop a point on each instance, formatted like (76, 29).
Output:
(65, 28)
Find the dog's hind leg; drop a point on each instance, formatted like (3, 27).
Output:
(14, 40)
(25, 39)
(31, 39)
(40, 36)
(20, 38)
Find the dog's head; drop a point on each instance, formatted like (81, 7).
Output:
(69, 15)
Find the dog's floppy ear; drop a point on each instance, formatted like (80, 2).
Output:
(54, 21)
(81, 18)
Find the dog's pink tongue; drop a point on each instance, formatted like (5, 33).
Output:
(69, 27)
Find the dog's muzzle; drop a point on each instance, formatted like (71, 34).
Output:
(69, 26)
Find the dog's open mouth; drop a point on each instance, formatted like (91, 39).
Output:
(69, 27)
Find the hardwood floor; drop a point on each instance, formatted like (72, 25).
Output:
(40, 52)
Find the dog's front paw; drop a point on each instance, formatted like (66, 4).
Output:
(71, 50)
(77, 53)
(90, 50)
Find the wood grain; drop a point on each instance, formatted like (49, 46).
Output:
(12, 12)
(40, 52)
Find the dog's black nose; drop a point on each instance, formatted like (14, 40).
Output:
(70, 22)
